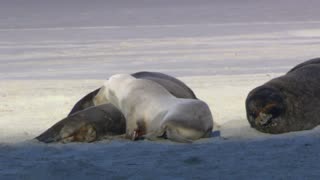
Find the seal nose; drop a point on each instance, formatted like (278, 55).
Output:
(263, 119)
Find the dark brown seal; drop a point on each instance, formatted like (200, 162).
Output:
(288, 103)
(88, 125)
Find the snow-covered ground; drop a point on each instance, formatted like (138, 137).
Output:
(54, 52)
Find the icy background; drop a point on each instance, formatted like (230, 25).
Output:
(54, 52)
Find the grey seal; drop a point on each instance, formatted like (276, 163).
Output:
(153, 112)
(287, 103)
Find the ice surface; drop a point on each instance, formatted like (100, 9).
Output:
(54, 52)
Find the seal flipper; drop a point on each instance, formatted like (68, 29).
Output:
(155, 135)
(173, 134)
(86, 133)
(170, 134)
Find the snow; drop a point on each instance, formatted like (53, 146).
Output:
(52, 53)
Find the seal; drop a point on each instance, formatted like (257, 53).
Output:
(93, 110)
(173, 85)
(152, 112)
(309, 62)
(287, 103)
(89, 125)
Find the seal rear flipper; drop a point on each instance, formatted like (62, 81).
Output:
(70, 128)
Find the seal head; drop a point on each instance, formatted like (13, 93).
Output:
(265, 108)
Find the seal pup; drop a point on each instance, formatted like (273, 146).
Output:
(173, 85)
(153, 112)
(287, 103)
(88, 125)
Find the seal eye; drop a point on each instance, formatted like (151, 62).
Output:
(275, 111)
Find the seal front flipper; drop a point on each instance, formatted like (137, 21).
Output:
(173, 134)
(166, 133)
(86, 133)
(155, 135)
